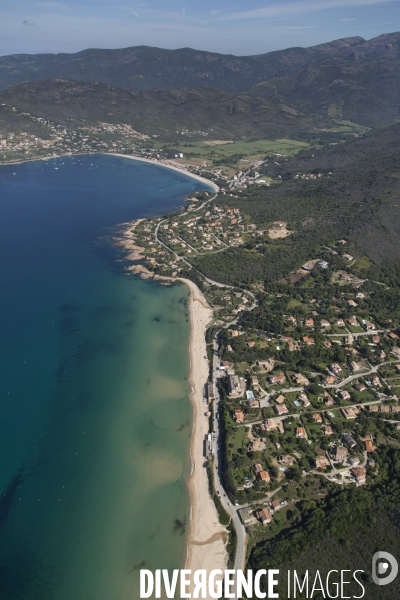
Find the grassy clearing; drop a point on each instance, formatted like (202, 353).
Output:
(293, 303)
(218, 150)
(343, 126)
(364, 263)
(237, 438)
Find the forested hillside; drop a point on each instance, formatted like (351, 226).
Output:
(351, 79)
(143, 68)
(356, 197)
(206, 110)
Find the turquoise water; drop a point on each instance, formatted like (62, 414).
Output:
(95, 417)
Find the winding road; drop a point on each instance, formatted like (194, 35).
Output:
(232, 510)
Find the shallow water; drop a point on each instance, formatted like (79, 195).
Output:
(95, 416)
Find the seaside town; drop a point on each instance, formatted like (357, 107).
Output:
(200, 211)
(304, 383)
(305, 376)
(50, 140)
(45, 139)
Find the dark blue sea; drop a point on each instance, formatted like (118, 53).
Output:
(95, 418)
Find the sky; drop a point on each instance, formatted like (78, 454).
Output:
(235, 26)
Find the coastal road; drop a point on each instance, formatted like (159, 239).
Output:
(226, 503)
(228, 506)
(240, 556)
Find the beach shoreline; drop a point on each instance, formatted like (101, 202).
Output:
(213, 185)
(206, 537)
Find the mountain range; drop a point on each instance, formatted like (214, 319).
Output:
(155, 90)
(144, 68)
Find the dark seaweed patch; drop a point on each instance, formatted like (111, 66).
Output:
(6, 499)
(179, 526)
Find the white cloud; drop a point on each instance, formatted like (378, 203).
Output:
(282, 10)
(290, 27)
(348, 19)
(50, 4)
(134, 13)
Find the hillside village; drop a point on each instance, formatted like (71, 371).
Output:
(43, 138)
(198, 231)
(309, 371)
(316, 399)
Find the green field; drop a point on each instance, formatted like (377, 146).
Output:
(238, 438)
(225, 149)
(363, 262)
(344, 126)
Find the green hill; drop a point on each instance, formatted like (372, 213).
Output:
(278, 92)
(366, 92)
(356, 197)
(157, 112)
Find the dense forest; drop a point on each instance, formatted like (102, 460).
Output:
(356, 197)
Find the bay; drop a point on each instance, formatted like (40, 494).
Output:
(95, 417)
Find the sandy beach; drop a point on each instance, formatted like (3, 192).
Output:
(213, 185)
(172, 167)
(206, 539)
(206, 536)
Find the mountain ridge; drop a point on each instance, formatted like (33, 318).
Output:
(142, 68)
(155, 112)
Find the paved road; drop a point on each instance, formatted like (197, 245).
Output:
(211, 281)
(358, 375)
(219, 240)
(187, 243)
(241, 534)
(230, 509)
(298, 415)
(358, 334)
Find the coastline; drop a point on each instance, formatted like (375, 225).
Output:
(213, 185)
(206, 536)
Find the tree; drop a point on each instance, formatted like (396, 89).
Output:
(315, 389)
